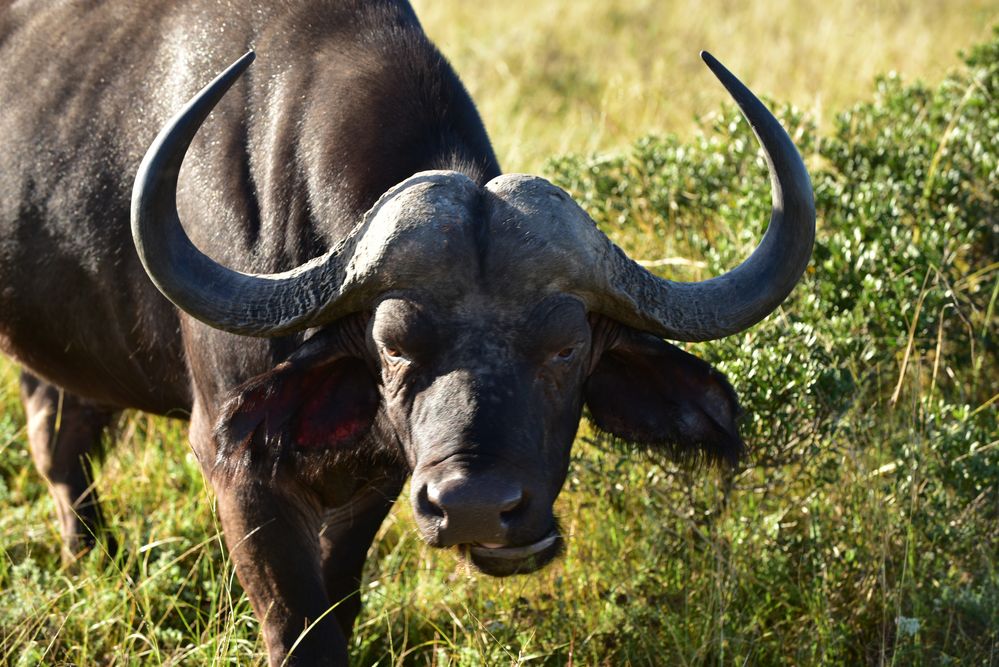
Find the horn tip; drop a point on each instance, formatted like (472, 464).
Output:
(245, 60)
(712, 63)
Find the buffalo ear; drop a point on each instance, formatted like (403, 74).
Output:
(649, 392)
(320, 398)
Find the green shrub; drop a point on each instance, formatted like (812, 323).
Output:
(877, 375)
(904, 266)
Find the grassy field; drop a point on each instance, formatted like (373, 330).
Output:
(585, 76)
(864, 528)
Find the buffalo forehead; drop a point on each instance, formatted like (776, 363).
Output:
(421, 231)
(517, 236)
(540, 235)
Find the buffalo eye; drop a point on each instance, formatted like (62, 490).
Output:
(565, 354)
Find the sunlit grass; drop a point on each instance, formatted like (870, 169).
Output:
(589, 75)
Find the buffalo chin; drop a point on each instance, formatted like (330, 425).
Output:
(507, 561)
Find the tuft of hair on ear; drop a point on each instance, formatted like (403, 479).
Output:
(245, 433)
(715, 421)
(319, 404)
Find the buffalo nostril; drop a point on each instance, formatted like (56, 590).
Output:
(439, 496)
(429, 501)
(471, 509)
(512, 506)
(510, 500)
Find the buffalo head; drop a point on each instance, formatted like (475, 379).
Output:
(467, 325)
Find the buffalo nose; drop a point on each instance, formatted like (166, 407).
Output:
(473, 510)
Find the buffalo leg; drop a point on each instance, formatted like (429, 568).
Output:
(346, 535)
(273, 539)
(64, 432)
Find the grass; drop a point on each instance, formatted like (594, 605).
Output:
(585, 76)
(863, 531)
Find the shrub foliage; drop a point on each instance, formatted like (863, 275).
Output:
(870, 396)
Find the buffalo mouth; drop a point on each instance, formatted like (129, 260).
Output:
(503, 561)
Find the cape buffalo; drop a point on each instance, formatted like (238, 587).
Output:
(354, 292)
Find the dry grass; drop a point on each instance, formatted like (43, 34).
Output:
(590, 75)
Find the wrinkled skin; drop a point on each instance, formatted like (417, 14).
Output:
(472, 380)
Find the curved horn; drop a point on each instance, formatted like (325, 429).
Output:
(745, 295)
(250, 304)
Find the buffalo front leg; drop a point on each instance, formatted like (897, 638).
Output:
(346, 535)
(64, 432)
(273, 538)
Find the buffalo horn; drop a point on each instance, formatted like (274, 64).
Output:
(736, 300)
(249, 304)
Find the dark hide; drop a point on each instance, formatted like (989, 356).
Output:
(347, 98)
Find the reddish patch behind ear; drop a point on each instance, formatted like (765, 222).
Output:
(301, 403)
(338, 405)
(650, 392)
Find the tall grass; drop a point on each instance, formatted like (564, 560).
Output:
(864, 530)
(585, 76)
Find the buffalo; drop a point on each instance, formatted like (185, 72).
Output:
(319, 263)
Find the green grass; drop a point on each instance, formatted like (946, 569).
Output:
(864, 531)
